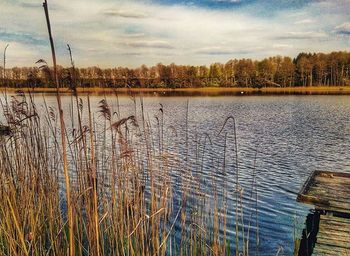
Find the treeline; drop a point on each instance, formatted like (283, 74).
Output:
(317, 69)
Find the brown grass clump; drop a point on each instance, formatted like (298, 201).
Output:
(122, 189)
(107, 184)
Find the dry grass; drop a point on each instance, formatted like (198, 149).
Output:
(122, 189)
(110, 185)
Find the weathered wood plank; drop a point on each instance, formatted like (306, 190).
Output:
(305, 188)
(330, 187)
(337, 230)
(331, 179)
(329, 208)
(327, 197)
(334, 227)
(327, 200)
(329, 191)
(333, 238)
(334, 174)
(334, 188)
(339, 205)
(325, 218)
(325, 252)
(334, 242)
(321, 249)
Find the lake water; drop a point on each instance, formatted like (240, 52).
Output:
(292, 136)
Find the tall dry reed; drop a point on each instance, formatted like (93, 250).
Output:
(110, 183)
(125, 196)
(63, 136)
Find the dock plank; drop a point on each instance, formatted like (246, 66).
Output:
(333, 237)
(334, 219)
(329, 192)
(323, 250)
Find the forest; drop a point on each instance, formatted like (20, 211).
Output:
(307, 69)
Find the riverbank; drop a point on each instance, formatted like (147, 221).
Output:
(206, 91)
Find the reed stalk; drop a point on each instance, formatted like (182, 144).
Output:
(130, 187)
(4, 65)
(63, 137)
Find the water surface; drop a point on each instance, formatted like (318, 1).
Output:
(290, 136)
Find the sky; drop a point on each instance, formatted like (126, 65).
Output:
(129, 33)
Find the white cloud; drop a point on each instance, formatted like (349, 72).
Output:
(125, 14)
(150, 44)
(19, 54)
(304, 21)
(129, 33)
(343, 28)
(229, 1)
(301, 35)
(282, 46)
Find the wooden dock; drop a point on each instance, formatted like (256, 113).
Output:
(329, 192)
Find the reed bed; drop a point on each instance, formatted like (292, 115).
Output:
(134, 190)
(85, 182)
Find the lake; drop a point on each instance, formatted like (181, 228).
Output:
(280, 141)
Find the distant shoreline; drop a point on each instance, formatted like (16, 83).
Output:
(205, 91)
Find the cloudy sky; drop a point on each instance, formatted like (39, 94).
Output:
(129, 33)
